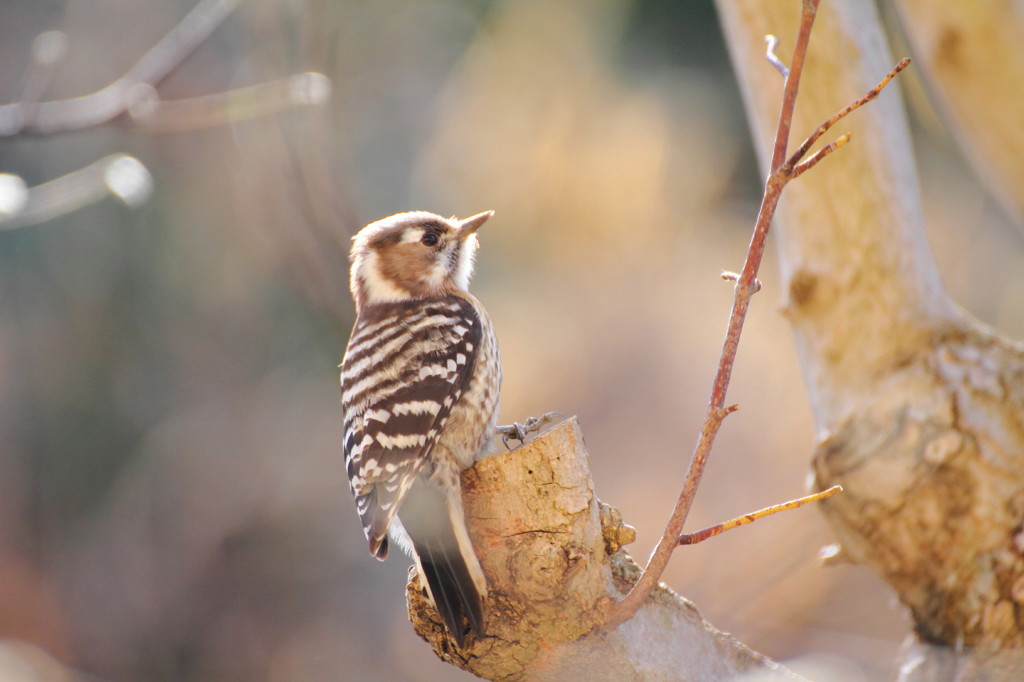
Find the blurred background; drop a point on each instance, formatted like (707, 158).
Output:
(173, 503)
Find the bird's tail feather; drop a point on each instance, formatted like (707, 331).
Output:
(446, 560)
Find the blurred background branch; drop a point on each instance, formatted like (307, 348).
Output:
(118, 175)
(32, 116)
(134, 93)
(154, 115)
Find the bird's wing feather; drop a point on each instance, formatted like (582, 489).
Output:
(407, 364)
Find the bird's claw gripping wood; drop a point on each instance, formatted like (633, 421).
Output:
(520, 432)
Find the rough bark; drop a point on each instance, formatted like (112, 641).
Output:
(919, 409)
(553, 558)
(970, 53)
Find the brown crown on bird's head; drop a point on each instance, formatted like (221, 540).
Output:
(413, 255)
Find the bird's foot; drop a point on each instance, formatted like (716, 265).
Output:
(520, 432)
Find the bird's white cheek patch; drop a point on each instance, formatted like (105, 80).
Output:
(464, 268)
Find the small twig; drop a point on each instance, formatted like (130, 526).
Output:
(721, 414)
(842, 113)
(154, 115)
(809, 10)
(116, 175)
(809, 163)
(773, 59)
(113, 100)
(48, 49)
(702, 535)
(730, 276)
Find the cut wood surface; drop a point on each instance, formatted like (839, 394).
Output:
(553, 558)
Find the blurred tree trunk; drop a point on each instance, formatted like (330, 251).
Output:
(919, 409)
(970, 53)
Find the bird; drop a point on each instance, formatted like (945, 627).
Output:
(420, 383)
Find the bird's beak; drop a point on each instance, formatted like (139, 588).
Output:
(471, 224)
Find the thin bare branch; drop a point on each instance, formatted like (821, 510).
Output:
(809, 163)
(117, 175)
(48, 50)
(120, 175)
(730, 276)
(154, 115)
(782, 171)
(725, 412)
(136, 84)
(842, 113)
(718, 528)
(745, 288)
(773, 59)
(808, 13)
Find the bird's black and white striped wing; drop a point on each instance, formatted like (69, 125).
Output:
(407, 364)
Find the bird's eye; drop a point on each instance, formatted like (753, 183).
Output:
(429, 239)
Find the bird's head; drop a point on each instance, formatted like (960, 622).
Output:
(413, 255)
